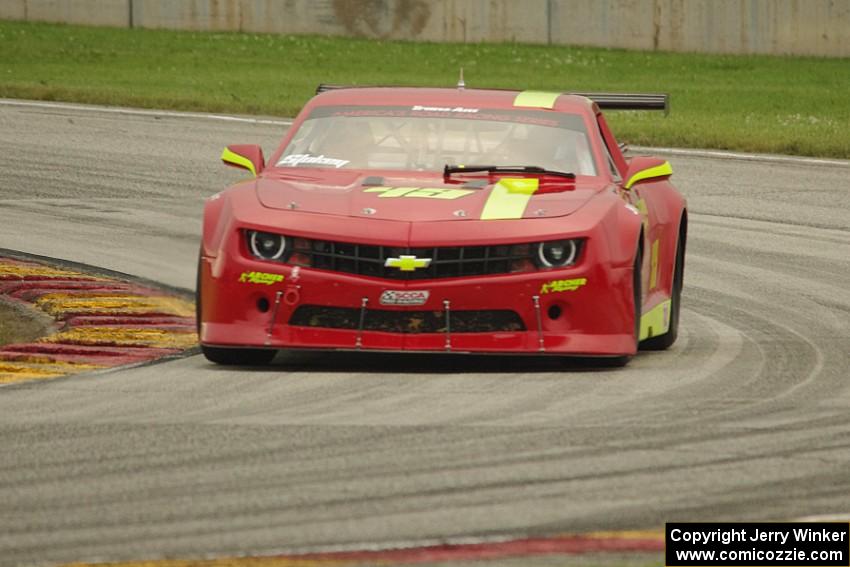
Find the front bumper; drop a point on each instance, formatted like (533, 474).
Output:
(585, 309)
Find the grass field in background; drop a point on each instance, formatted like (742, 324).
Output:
(788, 105)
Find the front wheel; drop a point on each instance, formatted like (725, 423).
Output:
(238, 356)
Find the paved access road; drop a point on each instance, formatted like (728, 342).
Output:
(746, 418)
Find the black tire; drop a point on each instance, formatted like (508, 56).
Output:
(665, 341)
(238, 356)
(228, 356)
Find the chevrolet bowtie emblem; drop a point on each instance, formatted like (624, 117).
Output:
(407, 263)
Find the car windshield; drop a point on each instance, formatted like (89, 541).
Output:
(428, 138)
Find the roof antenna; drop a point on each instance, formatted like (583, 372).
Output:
(460, 84)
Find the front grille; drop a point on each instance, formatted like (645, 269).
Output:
(446, 262)
(484, 321)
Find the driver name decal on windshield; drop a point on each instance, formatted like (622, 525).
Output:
(426, 112)
(424, 192)
(443, 109)
(295, 160)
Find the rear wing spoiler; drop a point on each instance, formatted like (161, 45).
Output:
(633, 101)
(605, 101)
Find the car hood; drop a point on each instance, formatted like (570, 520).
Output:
(411, 199)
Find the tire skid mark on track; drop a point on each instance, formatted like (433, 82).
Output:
(769, 227)
(100, 322)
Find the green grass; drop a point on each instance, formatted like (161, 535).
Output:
(789, 105)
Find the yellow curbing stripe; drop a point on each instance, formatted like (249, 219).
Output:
(23, 271)
(509, 198)
(626, 534)
(656, 321)
(57, 304)
(536, 99)
(120, 336)
(228, 156)
(662, 170)
(23, 376)
(16, 371)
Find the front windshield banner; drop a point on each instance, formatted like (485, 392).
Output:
(427, 137)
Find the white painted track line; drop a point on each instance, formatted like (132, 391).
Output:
(720, 154)
(141, 111)
(825, 518)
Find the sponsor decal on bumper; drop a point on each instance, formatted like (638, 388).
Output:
(558, 286)
(404, 297)
(263, 278)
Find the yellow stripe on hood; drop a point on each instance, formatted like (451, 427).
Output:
(509, 198)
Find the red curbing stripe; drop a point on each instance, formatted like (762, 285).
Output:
(559, 545)
(17, 288)
(65, 316)
(31, 295)
(63, 352)
(175, 327)
(565, 544)
(134, 320)
(90, 350)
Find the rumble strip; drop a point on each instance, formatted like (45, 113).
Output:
(100, 322)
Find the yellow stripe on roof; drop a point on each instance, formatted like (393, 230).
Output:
(536, 99)
(509, 198)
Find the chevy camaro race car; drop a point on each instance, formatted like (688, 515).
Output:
(444, 220)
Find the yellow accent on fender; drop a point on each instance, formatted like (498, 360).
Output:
(658, 171)
(656, 321)
(234, 158)
(536, 99)
(508, 198)
(653, 265)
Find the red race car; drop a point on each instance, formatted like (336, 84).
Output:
(444, 220)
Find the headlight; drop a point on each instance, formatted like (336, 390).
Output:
(557, 253)
(266, 245)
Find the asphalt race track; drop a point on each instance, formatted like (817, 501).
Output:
(746, 418)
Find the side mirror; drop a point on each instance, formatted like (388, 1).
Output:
(643, 168)
(246, 156)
